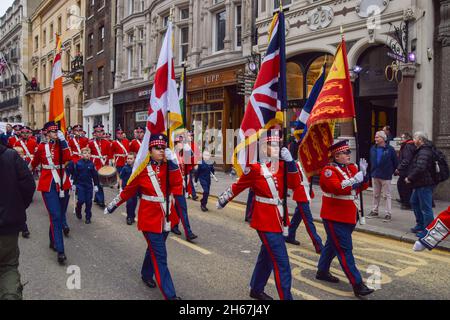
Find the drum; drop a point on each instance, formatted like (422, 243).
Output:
(107, 176)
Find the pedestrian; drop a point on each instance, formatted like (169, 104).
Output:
(266, 179)
(54, 185)
(203, 174)
(85, 183)
(14, 200)
(125, 174)
(384, 162)
(152, 211)
(388, 132)
(4, 137)
(436, 232)
(303, 195)
(407, 149)
(421, 180)
(341, 181)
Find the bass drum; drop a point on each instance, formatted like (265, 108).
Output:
(107, 176)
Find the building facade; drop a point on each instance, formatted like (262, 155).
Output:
(99, 64)
(50, 18)
(393, 57)
(14, 48)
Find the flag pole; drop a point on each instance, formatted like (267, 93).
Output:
(185, 123)
(362, 218)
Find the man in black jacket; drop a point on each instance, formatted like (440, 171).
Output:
(421, 180)
(407, 150)
(17, 194)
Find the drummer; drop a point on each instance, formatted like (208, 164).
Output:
(120, 149)
(101, 154)
(135, 145)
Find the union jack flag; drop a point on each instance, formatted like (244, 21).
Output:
(268, 99)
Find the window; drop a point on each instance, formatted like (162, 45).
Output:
(220, 30)
(36, 43)
(130, 7)
(141, 58)
(44, 37)
(276, 3)
(165, 21)
(238, 26)
(58, 27)
(130, 38)
(90, 84)
(141, 34)
(101, 38)
(101, 81)
(142, 5)
(68, 58)
(184, 13)
(44, 75)
(52, 33)
(130, 62)
(91, 8)
(90, 44)
(184, 43)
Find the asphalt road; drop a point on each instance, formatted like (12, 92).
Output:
(108, 255)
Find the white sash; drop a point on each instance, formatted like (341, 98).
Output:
(77, 145)
(24, 147)
(355, 196)
(99, 153)
(55, 174)
(305, 181)
(273, 189)
(140, 143)
(157, 187)
(123, 148)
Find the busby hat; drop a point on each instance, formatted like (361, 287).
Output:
(158, 140)
(51, 126)
(340, 146)
(99, 127)
(26, 129)
(17, 127)
(77, 127)
(271, 135)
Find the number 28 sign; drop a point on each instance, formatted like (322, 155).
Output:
(320, 18)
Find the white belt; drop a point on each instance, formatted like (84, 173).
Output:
(340, 197)
(120, 155)
(275, 202)
(54, 167)
(98, 157)
(153, 199)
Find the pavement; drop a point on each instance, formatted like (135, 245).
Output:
(105, 258)
(398, 228)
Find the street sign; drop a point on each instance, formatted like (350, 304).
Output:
(396, 57)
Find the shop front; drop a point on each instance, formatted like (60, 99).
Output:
(213, 106)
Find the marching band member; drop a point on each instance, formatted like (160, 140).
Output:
(152, 211)
(435, 233)
(16, 136)
(125, 175)
(77, 143)
(341, 182)
(54, 192)
(135, 144)
(303, 195)
(101, 152)
(267, 182)
(119, 149)
(182, 214)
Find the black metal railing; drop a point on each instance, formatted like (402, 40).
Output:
(9, 103)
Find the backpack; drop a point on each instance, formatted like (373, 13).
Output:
(441, 170)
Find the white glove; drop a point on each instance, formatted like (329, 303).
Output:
(169, 155)
(418, 246)
(95, 189)
(61, 136)
(363, 165)
(120, 190)
(286, 155)
(74, 188)
(359, 177)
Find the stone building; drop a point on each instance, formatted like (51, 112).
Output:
(99, 64)
(408, 37)
(14, 48)
(64, 18)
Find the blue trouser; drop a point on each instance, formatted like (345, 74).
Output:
(250, 203)
(119, 170)
(272, 256)
(100, 196)
(191, 182)
(155, 263)
(206, 188)
(131, 207)
(85, 193)
(181, 210)
(339, 243)
(421, 202)
(55, 207)
(303, 212)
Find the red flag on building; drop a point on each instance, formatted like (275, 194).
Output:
(56, 112)
(334, 104)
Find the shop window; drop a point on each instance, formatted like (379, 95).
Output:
(315, 69)
(294, 81)
(196, 97)
(214, 94)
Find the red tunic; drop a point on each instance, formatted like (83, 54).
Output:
(105, 150)
(443, 217)
(299, 194)
(82, 143)
(266, 217)
(135, 145)
(12, 141)
(30, 145)
(118, 154)
(333, 209)
(150, 214)
(40, 158)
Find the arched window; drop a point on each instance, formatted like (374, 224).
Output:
(67, 111)
(315, 69)
(295, 80)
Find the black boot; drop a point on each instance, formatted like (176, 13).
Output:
(260, 296)
(326, 276)
(149, 283)
(88, 221)
(292, 241)
(129, 221)
(61, 258)
(66, 231)
(176, 231)
(362, 290)
(191, 237)
(204, 208)
(26, 234)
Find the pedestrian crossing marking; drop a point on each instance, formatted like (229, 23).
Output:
(406, 271)
(191, 245)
